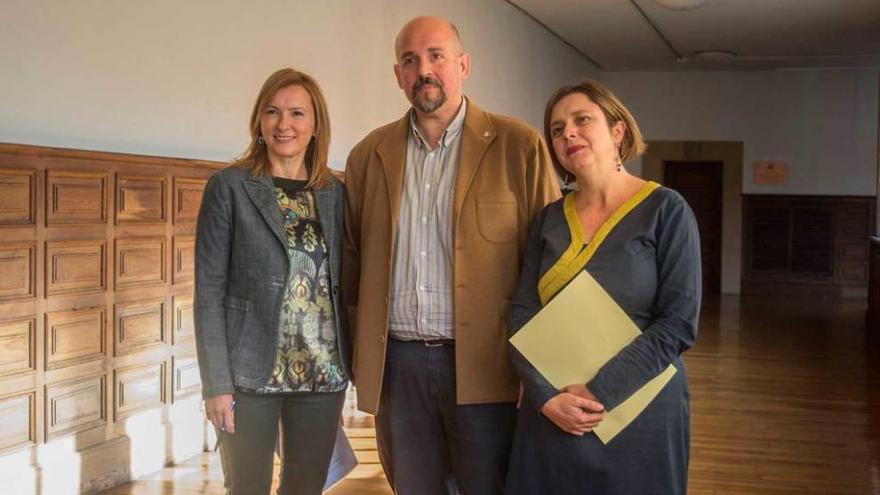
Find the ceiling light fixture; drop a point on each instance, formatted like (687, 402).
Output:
(680, 4)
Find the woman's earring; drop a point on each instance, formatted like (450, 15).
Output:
(566, 182)
(619, 161)
(260, 140)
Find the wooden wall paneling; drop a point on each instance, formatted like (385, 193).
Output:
(75, 405)
(74, 337)
(18, 196)
(186, 379)
(18, 271)
(812, 241)
(769, 232)
(873, 319)
(187, 198)
(140, 261)
(89, 307)
(184, 259)
(18, 347)
(140, 198)
(76, 266)
(138, 388)
(138, 326)
(19, 425)
(851, 240)
(815, 243)
(76, 197)
(183, 324)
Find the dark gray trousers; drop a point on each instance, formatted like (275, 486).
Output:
(429, 445)
(308, 422)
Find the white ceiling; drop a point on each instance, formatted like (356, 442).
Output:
(617, 35)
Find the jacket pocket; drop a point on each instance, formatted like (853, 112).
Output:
(236, 313)
(497, 218)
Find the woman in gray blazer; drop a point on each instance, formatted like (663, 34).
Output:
(269, 333)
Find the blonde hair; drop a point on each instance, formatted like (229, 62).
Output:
(256, 158)
(632, 144)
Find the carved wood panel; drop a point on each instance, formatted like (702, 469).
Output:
(18, 347)
(187, 199)
(184, 328)
(184, 259)
(138, 388)
(19, 420)
(186, 376)
(75, 405)
(138, 325)
(812, 241)
(75, 266)
(17, 196)
(140, 198)
(76, 197)
(140, 262)
(74, 337)
(18, 271)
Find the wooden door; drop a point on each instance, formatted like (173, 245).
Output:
(701, 185)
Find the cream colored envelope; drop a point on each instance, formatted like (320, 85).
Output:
(574, 335)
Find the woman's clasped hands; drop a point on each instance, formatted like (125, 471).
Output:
(575, 410)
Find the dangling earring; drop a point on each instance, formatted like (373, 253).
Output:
(619, 161)
(260, 140)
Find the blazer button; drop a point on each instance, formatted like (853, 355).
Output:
(386, 300)
(381, 339)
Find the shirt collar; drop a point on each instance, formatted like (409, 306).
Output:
(449, 134)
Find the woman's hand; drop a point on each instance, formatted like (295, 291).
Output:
(580, 390)
(219, 411)
(573, 414)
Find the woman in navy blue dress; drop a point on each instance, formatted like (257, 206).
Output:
(639, 241)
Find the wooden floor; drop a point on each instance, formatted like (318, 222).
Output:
(785, 400)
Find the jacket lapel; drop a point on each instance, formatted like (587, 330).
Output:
(477, 135)
(262, 193)
(392, 154)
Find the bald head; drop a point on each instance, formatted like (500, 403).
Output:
(427, 26)
(431, 66)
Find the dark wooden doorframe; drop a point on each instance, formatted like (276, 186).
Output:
(701, 183)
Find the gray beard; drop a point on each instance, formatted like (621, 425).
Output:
(427, 104)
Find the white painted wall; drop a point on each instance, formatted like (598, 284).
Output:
(178, 78)
(824, 123)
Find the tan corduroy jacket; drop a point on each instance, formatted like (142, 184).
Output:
(504, 178)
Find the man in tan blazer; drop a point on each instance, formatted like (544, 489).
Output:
(438, 209)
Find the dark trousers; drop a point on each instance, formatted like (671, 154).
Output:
(308, 423)
(427, 444)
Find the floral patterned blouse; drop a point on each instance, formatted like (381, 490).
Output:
(308, 355)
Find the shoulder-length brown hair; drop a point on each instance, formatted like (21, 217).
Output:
(256, 157)
(632, 144)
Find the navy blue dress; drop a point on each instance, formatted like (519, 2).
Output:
(649, 263)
